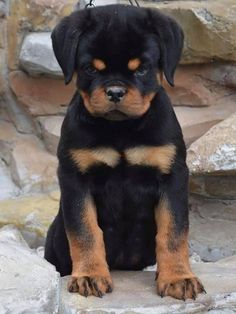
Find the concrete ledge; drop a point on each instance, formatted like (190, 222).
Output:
(135, 293)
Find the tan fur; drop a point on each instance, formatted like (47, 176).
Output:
(175, 277)
(99, 64)
(97, 103)
(133, 64)
(88, 257)
(86, 158)
(161, 157)
(133, 104)
(173, 262)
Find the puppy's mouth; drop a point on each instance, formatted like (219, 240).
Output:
(116, 115)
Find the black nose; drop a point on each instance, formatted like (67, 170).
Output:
(115, 93)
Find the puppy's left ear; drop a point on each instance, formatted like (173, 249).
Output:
(65, 39)
(170, 37)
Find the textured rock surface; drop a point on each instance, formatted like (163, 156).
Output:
(29, 16)
(134, 292)
(41, 96)
(2, 9)
(203, 85)
(212, 228)
(7, 187)
(28, 283)
(37, 57)
(32, 168)
(215, 152)
(209, 28)
(32, 215)
(51, 130)
(197, 121)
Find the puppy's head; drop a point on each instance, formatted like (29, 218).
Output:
(117, 52)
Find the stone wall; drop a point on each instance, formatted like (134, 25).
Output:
(34, 98)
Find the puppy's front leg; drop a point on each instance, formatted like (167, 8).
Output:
(174, 277)
(90, 274)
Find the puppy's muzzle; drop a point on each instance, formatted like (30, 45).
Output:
(115, 93)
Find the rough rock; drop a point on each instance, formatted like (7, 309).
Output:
(215, 152)
(214, 186)
(41, 96)
(212, 228)
(51, 130)
(203, 85)
(2, 9)
(2, 53)
(135, 292)
(28, 16)
(33, 169)
(209, 28)
(7, 187)
(32, 215)
(197, 121)
(28, 283)
(2, 32)
(37, 57)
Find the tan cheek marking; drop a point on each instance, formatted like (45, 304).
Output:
(88, 257)
(161, 157)
(86, 158)
(133, 64)
(99, 64)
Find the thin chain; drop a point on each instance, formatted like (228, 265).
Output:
(91, 3)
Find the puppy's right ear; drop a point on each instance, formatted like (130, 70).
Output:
(65, 39)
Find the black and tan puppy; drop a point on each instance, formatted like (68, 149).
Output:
(122, 170)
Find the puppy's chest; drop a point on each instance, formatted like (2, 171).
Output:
(158, 157)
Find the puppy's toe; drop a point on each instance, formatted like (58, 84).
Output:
(90, 285)
(183, 289)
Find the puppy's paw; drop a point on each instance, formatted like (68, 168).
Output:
(183, 289)
(90, 285)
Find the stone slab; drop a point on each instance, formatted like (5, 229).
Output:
(135, 293)
(209, 28)
(37, 57)
(28, 283)
(32, 16)
(32, 167)
(30, 214)
(215, 151)
(51, 130)
(212, 228)
(8, 189)
(41, 95)
(195, 122)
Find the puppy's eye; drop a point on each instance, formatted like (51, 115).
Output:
(141, 71)
(91, 70)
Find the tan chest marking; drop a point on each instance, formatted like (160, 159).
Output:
(161, 157)
(86, 158)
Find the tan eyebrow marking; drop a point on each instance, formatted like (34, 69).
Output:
(99, 64)
(133, 64)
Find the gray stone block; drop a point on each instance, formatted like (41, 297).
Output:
(37, 56)
(135, 293)
(28, 283)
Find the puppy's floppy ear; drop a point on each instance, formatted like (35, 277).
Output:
(65, 39)
(171, 37)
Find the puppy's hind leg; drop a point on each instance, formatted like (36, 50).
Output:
(57, 247)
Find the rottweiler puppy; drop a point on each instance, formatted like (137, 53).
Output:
(122, 170)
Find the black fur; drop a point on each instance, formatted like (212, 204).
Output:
(125, 196)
